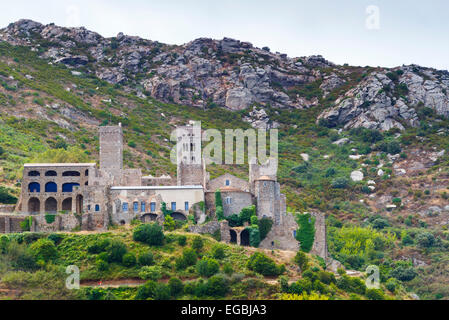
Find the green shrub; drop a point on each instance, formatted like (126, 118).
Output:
(176, 287)
(99, 246)
(392, 284)
(375, 294)
(129, 260)
(150, 234)
(207, 267)
(254, 236)
(116, 250)
(425, 240)
(151, 273)
(161, 292)
(50, 218)
(6, 197)
(197, 244)
(56, 238)
(265, 225)
(227, 269)
(44, 249)
(218, 251)
(217, 286)
(302, 260)
(260, 263)
(403, 273)
(182, 240)
(25, 225)
(102, 265)
(145, 259)
(340, 183)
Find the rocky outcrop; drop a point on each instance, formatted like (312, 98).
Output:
(390, 99)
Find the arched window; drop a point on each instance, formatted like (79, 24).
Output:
(86, 173)
(68, 187)
(51, 187)
(34, 187)
(34, 174)
(51, 205)
(143, 207)
(71, 174)
(51, 174)
(97, 208)
(136, 206)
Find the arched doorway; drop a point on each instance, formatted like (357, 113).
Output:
(51, 205)
(244, 238)
(178, 216)
(67, 204)
(79, 204)
(34, 206)
(233, 236)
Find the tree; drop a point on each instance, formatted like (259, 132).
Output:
(129, 260)
(260, 263)
(176, 287)
(302, 260)
(116, 250)
(146, 259)
(197, 243)
(425, 240)
(217, 286)
(150, 234)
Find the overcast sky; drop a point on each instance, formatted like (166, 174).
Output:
(359, 32)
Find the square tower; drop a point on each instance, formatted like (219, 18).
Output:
(111, 148)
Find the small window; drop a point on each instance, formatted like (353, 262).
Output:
(88, 207)
(153, 206)
(136, 206)
(125, 207)
(34, 174)
(228, 200)
(143, 207)
(173, 206)
(228, 183)
(294, 233)
(186, 206)
(97, 208)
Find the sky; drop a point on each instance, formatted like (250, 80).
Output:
(358, 32)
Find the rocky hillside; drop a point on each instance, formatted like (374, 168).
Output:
(366, 146)
(206, 73)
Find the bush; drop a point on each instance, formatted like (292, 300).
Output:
(392, 285)
(182, 241)
(56, 238)
(151, 273)
(207, 267)
(227, 269)
(150, 234)
(260, 263)
(44, 249)
(403, 273)
(392, 147)
(161, 292)
(116, 250)
(169, 223)
(145, 259)
(188, 258)
(5, 197)
(99, 246)
(129, 260)
(217, 286)
(102, 265)
(374, 294)
(218, 251)
(302, 260)
(340, 183)
(425, 240)
(176, 287)
(197, 244)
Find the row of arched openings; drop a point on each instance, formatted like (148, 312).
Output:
(52, 187)
(51, 205)
(52, 173)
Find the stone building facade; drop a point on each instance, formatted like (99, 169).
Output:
(87, 197)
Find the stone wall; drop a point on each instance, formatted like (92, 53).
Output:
(63, 222)
(234, 182)
(238, 201)
(208, 228)
(7, 208)
(11, 223)
(111, 148)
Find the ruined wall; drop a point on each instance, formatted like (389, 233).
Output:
(11, 223)
(111, 148)
(6, 208)
(65, 222)
(151, 181)
(208, 228)
(190, 174)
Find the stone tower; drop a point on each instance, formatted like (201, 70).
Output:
(111, 148)
(191, 167)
